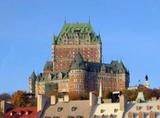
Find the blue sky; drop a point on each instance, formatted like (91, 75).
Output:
(130, 31)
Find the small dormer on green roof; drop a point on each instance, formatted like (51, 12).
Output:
(78, 62)
(82, 31)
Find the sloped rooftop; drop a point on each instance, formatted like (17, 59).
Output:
(71, 108)
(70, 31)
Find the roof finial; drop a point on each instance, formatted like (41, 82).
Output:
(146, 83)
(65, 20)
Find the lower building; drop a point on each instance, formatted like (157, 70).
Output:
(65, 108)
(82, 78)
(97, 107)
(10, 111)
(148, 109)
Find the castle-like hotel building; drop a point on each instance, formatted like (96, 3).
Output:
(76, 65)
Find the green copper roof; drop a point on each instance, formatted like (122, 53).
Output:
(82, 30)
(78, 62)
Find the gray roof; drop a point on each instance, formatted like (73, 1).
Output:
(114, 66)
(33, 76)
(72, 108)
(48, 65)
(78, 62)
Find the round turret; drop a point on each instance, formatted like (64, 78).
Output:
(77, 78)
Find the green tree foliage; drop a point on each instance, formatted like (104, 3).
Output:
(19, 99)
(148, 93)
(22, 99)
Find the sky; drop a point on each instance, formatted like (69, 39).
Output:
(129, 29)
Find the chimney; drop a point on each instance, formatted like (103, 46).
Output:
(66, 98)
(122, 102)
(53, 100)
(92, 99)
(3, 106)
(41, 102)
(100, 93)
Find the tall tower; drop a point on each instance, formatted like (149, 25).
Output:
(72, 39)
(32, 82)
(77, 78)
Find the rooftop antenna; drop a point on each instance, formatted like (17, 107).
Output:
(89, 21)
(65, 20)
(139, 82)
(100, 93)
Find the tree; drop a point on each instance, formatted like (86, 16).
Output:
(22, 99)
(19, 98)
(5, 96)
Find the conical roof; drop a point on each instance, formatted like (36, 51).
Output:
(33, 75)
(78, 62)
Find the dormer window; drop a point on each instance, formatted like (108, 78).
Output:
(79, 116)
(70, 117)
(94, 116)
(59, 109)
(115, 110)
(73, 108)
(56, 117)
(102, 110)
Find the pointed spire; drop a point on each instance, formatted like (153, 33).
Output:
(33, 75)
